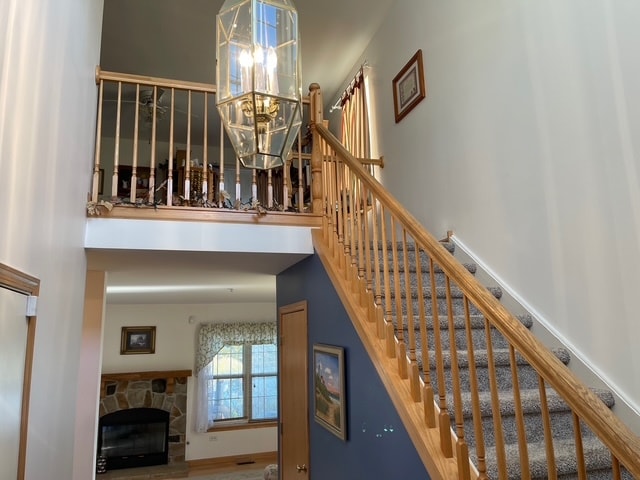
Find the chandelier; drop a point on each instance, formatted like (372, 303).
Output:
(258, 79)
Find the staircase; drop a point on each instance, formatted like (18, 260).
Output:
(489, 353)
(497, 405)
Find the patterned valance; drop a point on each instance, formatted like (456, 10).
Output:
(213, 336)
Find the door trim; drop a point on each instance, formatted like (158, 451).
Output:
(24, 284)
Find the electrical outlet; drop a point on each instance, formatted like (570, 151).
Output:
(213, 438)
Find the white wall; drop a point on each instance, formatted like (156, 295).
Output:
(525, 147)
(48, 54)
(175, 350)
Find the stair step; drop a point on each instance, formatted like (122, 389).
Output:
(527, 376)
(478, 333)
(597, 457)
(559, 413)
(597, 460)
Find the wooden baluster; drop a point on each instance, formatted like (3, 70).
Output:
(333, 199)
(525, 473)
(475, 396)
(399, 327)
(326, 205)
(95, 183)
(495, 405)
(552, 470)
(134, 168)
(300, 174)
(116, 151)
(187, 162)
(356, 211)
(615, 466)
(341, 219)
(171, 154)
(316, 116)
(238, 187)
(286, 184)
(206, 196)
(269, 189)
(221, 181)
(367, 282)
(375, 252)
(150, 197)
(462, 449)
(414, 383)
(444, 418)
(577, 436)
(427, 390)
(351, 226)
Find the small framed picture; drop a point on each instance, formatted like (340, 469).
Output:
(136, 340)
(408, 86)
(329, 389)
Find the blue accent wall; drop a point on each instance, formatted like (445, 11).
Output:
(377, 445)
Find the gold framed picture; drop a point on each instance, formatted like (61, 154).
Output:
(408, 86)
(136, 340)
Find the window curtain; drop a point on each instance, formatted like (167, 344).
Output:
(355, 137)
(355, 117)
(211, 338)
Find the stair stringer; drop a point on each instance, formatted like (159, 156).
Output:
(363, 315)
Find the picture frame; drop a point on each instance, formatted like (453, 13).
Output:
(329, 389)
(408, 86)
(138, 340)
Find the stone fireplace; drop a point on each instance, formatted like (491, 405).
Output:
(144, 391)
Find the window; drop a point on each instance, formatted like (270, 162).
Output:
(237, 371)
(242, 383)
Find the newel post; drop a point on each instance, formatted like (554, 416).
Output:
(316, 114)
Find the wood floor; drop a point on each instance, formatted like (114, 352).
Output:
(205, 470)
(181, 471)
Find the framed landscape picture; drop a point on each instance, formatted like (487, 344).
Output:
(329, 389)
(138, 340)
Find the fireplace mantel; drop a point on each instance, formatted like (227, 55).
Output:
(168, 375)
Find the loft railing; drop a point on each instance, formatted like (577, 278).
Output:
(159, 143)
(364, 243)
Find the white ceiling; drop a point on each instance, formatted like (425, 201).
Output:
(147, 277)
(176, 39)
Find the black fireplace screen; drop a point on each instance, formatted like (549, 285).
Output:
(135, 437)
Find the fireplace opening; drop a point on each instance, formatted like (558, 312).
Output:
(135, 437)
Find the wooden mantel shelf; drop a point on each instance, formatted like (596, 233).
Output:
(169, 375)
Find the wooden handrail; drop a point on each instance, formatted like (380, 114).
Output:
(156, 81)
(621, 441)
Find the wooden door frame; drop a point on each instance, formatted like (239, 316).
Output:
(24, 284)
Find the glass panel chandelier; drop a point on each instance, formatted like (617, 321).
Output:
(258, 79)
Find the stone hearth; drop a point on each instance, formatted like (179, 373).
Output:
(166, 390)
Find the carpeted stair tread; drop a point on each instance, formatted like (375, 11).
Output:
(529, 401)
(441, 292)
(459, 321)
(501, 357)
(597, 457)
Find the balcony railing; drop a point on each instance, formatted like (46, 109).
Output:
(160, 144)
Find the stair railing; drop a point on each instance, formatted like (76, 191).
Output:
(369, 243)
